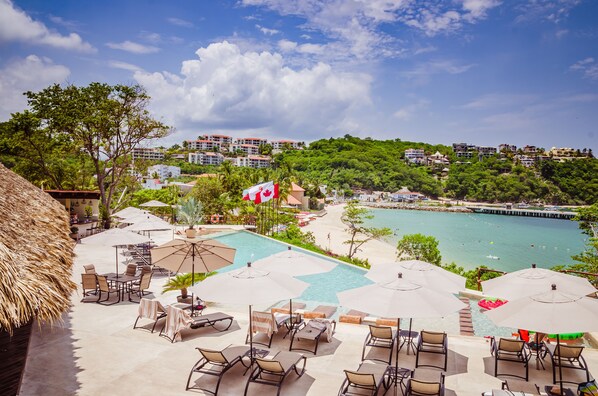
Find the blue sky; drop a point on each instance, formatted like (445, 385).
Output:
(481, 71)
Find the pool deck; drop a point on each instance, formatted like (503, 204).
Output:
(96, 351)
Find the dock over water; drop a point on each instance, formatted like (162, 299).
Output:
(549, 214)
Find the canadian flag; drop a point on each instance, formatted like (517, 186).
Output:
(263, 192)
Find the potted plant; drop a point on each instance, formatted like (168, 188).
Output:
(74, 233)
(190, 212)
(88, 212)
(182, 282)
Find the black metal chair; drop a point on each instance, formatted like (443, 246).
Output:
(217, 363)
(510, 350)
(104, 287)
(432, 342)
(369, 377)
(418, 387)
(567, 357)
(274, 371)
(380, 337)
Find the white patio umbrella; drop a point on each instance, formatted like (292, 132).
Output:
(420, 272)
(250, 286)
(531, 281)
(136, 218)
(115, 237)
(551, 312)
(154, 204)
(128, 212)
(148, 224)
(193, 255)
(400, 298)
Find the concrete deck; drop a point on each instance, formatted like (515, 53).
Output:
(95, 351)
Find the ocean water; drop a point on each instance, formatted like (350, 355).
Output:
(512, 242)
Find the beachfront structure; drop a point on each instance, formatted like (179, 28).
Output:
(253, 161)
(296, 197)
(206, 158)
(163, 171)
(203, 145)
(223, 140)
(144, 153)
(507, 148)
(526, 160)
(248, 149)
(405, 195)
(251, 140)
(415, 156)
(281, 144)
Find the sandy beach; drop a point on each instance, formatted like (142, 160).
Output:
(331, 225)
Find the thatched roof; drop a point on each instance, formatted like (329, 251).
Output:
(36, 254)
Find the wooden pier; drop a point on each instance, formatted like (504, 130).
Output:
(547, 214)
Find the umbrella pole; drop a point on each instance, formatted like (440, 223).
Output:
(116, 261)
(250, 338)
(291, 312)
(397, 354)
(558, 341)
(409, 336)
(192, 277)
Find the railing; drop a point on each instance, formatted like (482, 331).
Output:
(482, 271)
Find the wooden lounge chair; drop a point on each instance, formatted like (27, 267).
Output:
(89, 284)
(104, 287)
(369, 377)
(217, 363)
(510, 350)
(274, 371)
(313, 331)
(150, 309)
(418, 387)
(432, 342)
(380, 337)
(568, 357)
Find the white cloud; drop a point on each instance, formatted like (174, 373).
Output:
(588, 67)
(498, 101)
(422, 72)
(124, 66)
(227, 89)
(550, 10)
(407, 112)
(135, 48)
(266, 31)
(180, 22)
(29, 74)
(16, 25)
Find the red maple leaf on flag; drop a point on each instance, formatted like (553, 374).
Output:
(267, 193)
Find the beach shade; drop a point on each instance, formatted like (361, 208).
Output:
(148, 224)
(154, 204)
(552, 312)
(294, 263)
(115, 237)
(420, 272)
(128, 212)
(400, 298)
(530, 281)
(136, 218)
(250, 286)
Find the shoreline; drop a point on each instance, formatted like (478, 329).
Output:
(425, 208)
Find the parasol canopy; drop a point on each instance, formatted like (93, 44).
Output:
(294, 263)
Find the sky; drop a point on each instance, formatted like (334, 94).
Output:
(484, 72)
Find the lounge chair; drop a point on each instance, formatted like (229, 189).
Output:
(510, 350)
(418, 387)
(178, 319)
(217, 363)
(320, 312)
(89, 284)
(369, 377)
(89, 269)
(432, 342)
(274, 371)
(144, 283)
(568, 357)
(150, 309)
(313, 331)
(104, 287)
(263, 322)
(380, 337)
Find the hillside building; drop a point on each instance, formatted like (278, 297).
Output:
(415, 156)
(203, 145)
(253, 161)
(154, 154)
(163, 171)
(206, 158)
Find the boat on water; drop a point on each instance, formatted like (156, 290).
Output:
(491, 257)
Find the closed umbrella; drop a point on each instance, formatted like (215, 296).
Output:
(530, 281)
(154, 204)
(553, 311)
(250, 286)
(400, 298)
(420, 272)
(115, 237)
(193, 255)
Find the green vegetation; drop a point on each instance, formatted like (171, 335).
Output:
(354, 216)
(190, 212)
(419, 247)
(184, 281)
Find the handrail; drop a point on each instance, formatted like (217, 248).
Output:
(481, 271)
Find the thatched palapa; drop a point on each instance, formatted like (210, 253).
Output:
(36, 254)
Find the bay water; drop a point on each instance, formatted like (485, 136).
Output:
(505, 243)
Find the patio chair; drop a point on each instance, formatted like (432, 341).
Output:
(432, 342)
(131, 270)
(263, 322)
(217, 363)
(104, 287)
(150, 309)
(510, 350)
(89, 268)
(313, 331)
(369, 377)
(568, 357)
(89, 284)
(274, 371)
(418, 387)
(380, 337)
(535, 344)
(141, 287)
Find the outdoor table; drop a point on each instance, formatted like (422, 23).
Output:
(399, 376)
(408, 337)
(500, 392)
(121, 282)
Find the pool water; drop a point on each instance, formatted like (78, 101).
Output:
(323, 287)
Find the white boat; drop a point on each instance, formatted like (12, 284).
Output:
(493, 257)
